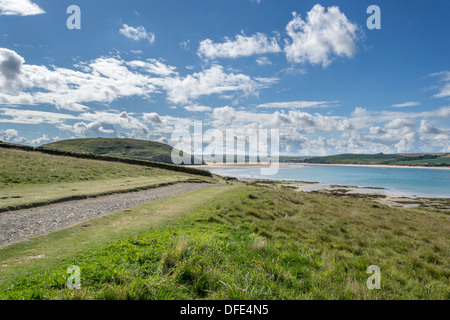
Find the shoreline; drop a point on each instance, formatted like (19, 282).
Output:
(373, 165)
(381, 196)
(308, 186)
(244, 165)
(302, 164)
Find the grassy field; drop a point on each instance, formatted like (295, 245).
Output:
(117, 147)
(384, 159)
(234, 242)
(440, 161)
(29, 178)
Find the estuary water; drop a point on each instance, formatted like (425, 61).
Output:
(395, 181)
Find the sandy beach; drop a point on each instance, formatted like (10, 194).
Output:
(245, 165)
(290, 165)
(371, 165)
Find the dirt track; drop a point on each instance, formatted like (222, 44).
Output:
(19, 225)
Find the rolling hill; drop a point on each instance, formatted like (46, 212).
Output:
(117, 147)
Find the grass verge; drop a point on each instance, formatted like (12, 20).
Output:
(43, 253)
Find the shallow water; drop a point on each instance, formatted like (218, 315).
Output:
(408, 181)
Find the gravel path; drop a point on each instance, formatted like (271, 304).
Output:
(19, 225)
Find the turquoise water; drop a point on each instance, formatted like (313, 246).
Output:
(419, 182)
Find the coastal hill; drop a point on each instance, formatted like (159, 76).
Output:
(117, 147)
(402, 159)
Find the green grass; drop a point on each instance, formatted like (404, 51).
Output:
(117, 147)
(33, 168)
(28, 178)
(384, 159)
(245, 243)
(440, 160)
(56, 248)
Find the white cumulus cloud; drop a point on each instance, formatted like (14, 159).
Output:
(323, 35)
(210, 81)
(242, 46)
(296, 104)
(33, 116)
(406, 104)
(10, 69)
(107, 79)
(445, 78)
(19, 8)
(197, 108)
(137, 34)
(152, 117)
(153, 66)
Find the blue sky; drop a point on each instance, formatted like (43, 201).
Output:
(311, 69)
